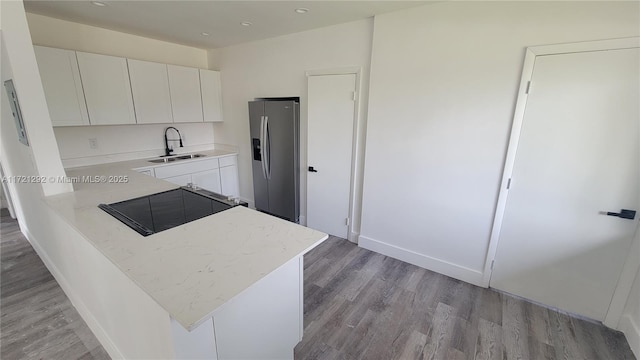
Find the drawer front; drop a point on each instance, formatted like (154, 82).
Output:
(182, 180)
(228, 161)
(186, 168)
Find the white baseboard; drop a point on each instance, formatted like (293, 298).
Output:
(76, 301)
(303, 220)
(440, 266)
(631, 331)
(354, 237)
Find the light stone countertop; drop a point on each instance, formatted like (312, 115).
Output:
(192, 269)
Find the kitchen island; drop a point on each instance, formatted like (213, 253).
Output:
(224, 286)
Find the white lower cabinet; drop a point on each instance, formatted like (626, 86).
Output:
(208, 180)
(182, 180)
(213, 174)
(229, 180)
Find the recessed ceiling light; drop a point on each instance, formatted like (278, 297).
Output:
(204, 34)
(246, 23)
(98, 3)
(302, 10)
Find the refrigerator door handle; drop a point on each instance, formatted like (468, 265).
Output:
(262, 147)
(268, 147)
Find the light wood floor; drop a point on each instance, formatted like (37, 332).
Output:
(37, 320)
(358, 305)
(363, 305)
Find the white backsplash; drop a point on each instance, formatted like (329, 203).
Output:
(127, 142)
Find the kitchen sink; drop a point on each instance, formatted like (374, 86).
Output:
(176, 158)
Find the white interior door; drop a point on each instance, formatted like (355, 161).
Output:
(578, 158)
(330, 142)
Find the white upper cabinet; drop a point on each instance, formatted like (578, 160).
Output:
(62, 86)
(186, 100)
(107, 89)
(211, 86)
(150, 88)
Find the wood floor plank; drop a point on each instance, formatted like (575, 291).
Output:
(538, 323)
(390, 343)
(414, 347)
(489, 344)
(564, 337)
(361, 336)
(514, 329)
(440, 335)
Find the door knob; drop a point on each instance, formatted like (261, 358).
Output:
(311, 169)
(624, 214)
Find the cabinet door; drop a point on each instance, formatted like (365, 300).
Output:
(62, 86)
(186, 99)
(208, 180)
(181, 180)
(211, 88)
(107, 89)
(150, 88)
(229, 180)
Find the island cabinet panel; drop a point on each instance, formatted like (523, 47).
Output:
(150, 88)
(186, 99)
(107, 89)
(62, 86)
(263, 322)
(199, 343)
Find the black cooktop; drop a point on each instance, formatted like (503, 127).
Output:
(157, 212)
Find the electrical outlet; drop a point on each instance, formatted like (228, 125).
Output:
(93, 143)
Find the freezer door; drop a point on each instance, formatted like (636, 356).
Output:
(282, 149)
(260, 183)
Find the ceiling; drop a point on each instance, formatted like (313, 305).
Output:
(184, 22)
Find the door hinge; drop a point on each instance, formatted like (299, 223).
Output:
(353, 95)
(528, 87)
(509, 184)
(347, 221)
(492, 262)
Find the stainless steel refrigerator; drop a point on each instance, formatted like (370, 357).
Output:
(275, 128)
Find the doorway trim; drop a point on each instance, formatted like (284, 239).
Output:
(357, 150)
(527, 72)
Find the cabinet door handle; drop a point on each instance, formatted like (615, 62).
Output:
(311, 169)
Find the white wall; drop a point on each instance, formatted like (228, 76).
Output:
(18, 66)
(118, 312)
(276, 68)
(120, 142)
(48, 31)
(444, 82)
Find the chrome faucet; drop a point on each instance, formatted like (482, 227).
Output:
(167, 149)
